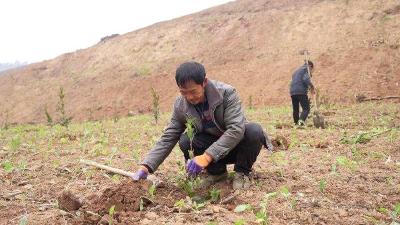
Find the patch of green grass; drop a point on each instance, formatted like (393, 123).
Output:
(346, 163)
(386, 18)
(322, 185)
(284, 191)
(15, 143)
(152, 191)
(279, 158)
(242, 208)
(8, 166)
(239, 222)
(143, 70)
(214, 194)
(376, 155)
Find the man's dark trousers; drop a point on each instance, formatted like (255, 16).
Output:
(305, 105)
(243, 155)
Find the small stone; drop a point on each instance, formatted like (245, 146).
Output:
(146, 221)
(207, 212)
(151, 215)
(249, 194)
(342, 213)
(216, 209)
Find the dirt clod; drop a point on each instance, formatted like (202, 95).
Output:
(68, 201)
(280, 142)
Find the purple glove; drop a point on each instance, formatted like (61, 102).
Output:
(192, 168)
(140, 175)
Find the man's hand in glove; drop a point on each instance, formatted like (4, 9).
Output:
(197, 164)
(141, 174)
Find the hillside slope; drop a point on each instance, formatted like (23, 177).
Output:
(251, 44)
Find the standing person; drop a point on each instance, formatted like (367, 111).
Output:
(301, 82)
(222, 134)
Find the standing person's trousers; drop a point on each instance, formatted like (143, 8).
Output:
(242, 156)
(305, 105)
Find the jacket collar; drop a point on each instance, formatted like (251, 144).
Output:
(214, 98)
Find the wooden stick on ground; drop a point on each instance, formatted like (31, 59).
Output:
(108, 168)
(364, 99)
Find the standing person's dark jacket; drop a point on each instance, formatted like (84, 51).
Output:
(300, 81)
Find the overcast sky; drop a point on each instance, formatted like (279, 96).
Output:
(35, 30)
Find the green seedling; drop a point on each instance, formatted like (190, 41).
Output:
(22, 165)
(15, 143)
(141, 204)
(362, 137)
(111, 213)
(333, 169)
(23, 220)
(322, 185)
(371, 219)
(197, 206)
(48, 117)
(8, 166)
(180, 204)
(64, 119)
(189, 185)
(262, 215)
(156, 105)
(242, 208)
(152, 191)
(251, 102)
(345, 162)
(190, 131)
(396, 211)
(383, 210)
(188, 203)
(240, 222)
(279, 159)
(293, 203)
(116, 178)
(285, 192)
(215, 194)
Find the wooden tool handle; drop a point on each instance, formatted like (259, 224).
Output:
(108, 168)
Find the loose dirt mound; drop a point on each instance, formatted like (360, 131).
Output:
(69, 202)
(126, 199)
(280, 142)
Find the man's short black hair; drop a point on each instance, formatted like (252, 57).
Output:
(311, 64)
(190, 71)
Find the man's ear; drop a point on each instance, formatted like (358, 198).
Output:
(205, 82)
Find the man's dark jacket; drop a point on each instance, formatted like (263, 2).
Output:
(300, 81)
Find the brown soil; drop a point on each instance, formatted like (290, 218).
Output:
(127, 200)
(360, 181)
(130, 198)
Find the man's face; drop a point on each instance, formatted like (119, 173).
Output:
(192, 92)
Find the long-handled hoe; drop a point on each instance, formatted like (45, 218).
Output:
(318, 119)
(151, 178)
